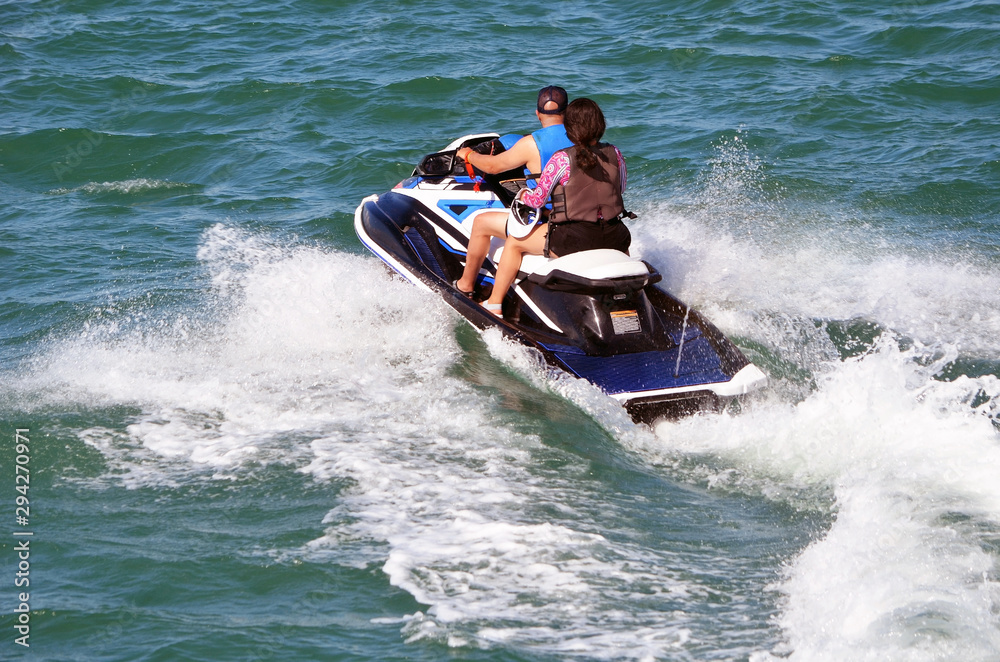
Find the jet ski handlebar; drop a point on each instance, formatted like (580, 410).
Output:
(440, 164)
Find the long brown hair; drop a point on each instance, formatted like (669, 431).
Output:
(584, 126)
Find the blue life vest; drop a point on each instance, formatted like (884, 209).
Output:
(549, 140)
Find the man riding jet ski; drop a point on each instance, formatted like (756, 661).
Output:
(534, 150)
(596, 314)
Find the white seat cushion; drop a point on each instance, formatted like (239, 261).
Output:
(597, 264)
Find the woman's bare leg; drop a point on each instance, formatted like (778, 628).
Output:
(510, 260)
(486, 225)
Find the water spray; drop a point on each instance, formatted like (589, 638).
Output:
(680, 349)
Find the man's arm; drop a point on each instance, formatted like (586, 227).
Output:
(516, 157)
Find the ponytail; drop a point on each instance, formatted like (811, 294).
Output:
(586, 156)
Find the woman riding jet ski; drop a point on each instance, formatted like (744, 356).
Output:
(596, 314)
(585, 181)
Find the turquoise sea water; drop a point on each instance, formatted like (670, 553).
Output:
(247, 441)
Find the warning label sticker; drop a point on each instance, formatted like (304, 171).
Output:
(625, 321)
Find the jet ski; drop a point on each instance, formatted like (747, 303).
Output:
(596, 314)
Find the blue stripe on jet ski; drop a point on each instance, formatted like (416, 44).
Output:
(453, 251)
(467, 207)
(561, 349)
(648, 371)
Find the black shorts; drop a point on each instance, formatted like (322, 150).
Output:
(576, 236)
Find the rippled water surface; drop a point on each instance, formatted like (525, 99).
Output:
(248, 441)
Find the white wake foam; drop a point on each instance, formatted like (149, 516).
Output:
(290, 341)
(456, 499)
(322, 360)
(908, 569)
(904, 461)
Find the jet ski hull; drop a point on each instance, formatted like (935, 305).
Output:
(635, 341)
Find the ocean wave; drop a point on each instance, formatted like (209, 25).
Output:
(903, 462)
(264, 356)
(125, 187)
(322, 361)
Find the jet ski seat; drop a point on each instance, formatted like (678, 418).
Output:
(599, 270)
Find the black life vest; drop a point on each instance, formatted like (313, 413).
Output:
(589, 195)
